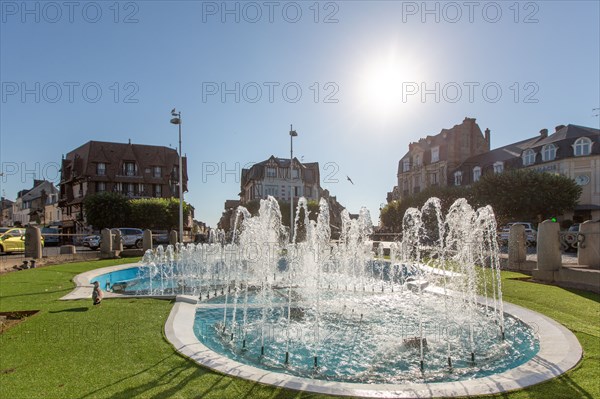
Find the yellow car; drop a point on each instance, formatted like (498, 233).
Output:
(13, 240)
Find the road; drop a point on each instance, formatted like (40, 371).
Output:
(47, 251)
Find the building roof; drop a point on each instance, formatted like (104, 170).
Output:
(82, 160)
(309, 170)
(501, 154)
(36, 191)
(567, 135)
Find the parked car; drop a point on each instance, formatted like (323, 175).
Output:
(92, 242)
(51, 236)
(13, 240)
(131, 238)
(160, 237)
(530, 233)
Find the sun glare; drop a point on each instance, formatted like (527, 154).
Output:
(382, 82)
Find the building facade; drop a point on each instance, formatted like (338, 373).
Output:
(572, 151)
(461, 155)
(431, 160)
(272, 178)
(134, 170)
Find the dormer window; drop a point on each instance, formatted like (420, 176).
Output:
(582, 147)
(157, 171)
(101, 169)
(271, 172)
(129, 168)
(528, 157)
(548, 152)
(406, 165)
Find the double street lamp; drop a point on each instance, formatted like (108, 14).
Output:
(176, 120)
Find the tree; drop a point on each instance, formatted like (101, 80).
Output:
(106, 210)
(393, 213)
(157, 213)
(526, 195)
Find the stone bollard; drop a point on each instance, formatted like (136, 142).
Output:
(106, 243)
(117, 243)
(517, 247)
(33, 242)
(67, 250)
(588, 253)
(173, 238)
(147, 240)
(549, 258)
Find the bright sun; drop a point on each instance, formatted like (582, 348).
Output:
(382, 84)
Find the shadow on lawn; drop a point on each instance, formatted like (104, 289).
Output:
(80, 309)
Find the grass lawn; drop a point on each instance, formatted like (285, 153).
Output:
(71, 349)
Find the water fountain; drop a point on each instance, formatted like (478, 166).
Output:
(314, 308)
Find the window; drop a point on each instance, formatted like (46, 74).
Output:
(129, 169)
(548, 152)
(417, 160)
(157, 171)
(582, 146)
(296, 191)
(101, 169)
(433, 178)
(457, 178)
(498, 167)
(528, 157)
(271, 172)
(295, 173)
(406, 165)
(119, 187)
(476, 173)
(308, 191)
(435, 154)
(100, 186)
(157, 190)
(130, 187)
(270, 190)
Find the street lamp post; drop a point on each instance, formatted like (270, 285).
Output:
(176, 120)
(292, 135)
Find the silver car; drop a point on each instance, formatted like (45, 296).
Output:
(131, 237)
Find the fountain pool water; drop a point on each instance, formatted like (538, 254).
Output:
(334, 310)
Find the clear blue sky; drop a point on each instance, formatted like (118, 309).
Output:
(372, 59)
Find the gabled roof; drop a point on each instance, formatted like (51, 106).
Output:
(36, 192)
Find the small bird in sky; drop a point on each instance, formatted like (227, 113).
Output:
(350, 180)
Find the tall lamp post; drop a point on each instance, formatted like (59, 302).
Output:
(176, 120)
(292, 135)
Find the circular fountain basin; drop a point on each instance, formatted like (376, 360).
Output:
(556, 351)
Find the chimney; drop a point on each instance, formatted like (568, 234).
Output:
(544, 133)
(557, 128)
(487, 136)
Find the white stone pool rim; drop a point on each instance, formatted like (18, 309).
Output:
(559, 352)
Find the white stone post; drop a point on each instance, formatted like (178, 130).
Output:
(173, 237)
(588, 253)
(147, 240)
(106, 243)
(517, 243)
(549, 257)
(33, 242)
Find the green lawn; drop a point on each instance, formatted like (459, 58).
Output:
(71, 349)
